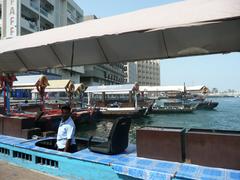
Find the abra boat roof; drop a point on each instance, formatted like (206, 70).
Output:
(55, 86)
(29, 82)
(179, 29)
(26, 82)
(172, 88)
(112, 89)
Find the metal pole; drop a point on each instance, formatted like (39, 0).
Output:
(4, 94)
(89, 98)
(135, 96)
(8, 98)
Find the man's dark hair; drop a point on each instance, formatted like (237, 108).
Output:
(66, 107)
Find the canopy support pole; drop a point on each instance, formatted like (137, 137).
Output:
(135, 99)
(8, 98)
(4, 95)
(7, 82)
(89, 99)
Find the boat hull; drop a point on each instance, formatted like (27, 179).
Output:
(207, 105)
(171, 111)
(85, 164)
(117, 112)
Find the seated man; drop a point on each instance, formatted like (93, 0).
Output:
(66, 131)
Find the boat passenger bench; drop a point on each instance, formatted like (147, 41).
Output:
(215, 148)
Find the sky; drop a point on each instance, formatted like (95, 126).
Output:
(214, 71)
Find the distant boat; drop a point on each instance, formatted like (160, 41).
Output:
(116, 100)
(164, 106)
(201, 101)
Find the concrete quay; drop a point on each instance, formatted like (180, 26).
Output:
(13, 172)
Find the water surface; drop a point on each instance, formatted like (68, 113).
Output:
(226, 116)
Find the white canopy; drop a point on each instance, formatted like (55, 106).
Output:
(58, 84)
(180, 29)
(58, 90)
(197, 88)
(161, 88)
(55, 86)
(26, 82)
(112, 89)
(171, 88)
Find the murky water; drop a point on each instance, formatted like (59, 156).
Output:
(225, 117)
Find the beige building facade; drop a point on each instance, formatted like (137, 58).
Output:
(148, 73)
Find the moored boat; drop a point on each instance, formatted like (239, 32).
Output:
(116, 100)
(122, 111)
(165, 106)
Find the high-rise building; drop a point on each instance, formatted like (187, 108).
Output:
(148, 73)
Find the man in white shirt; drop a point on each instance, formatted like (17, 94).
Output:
(66, 131)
